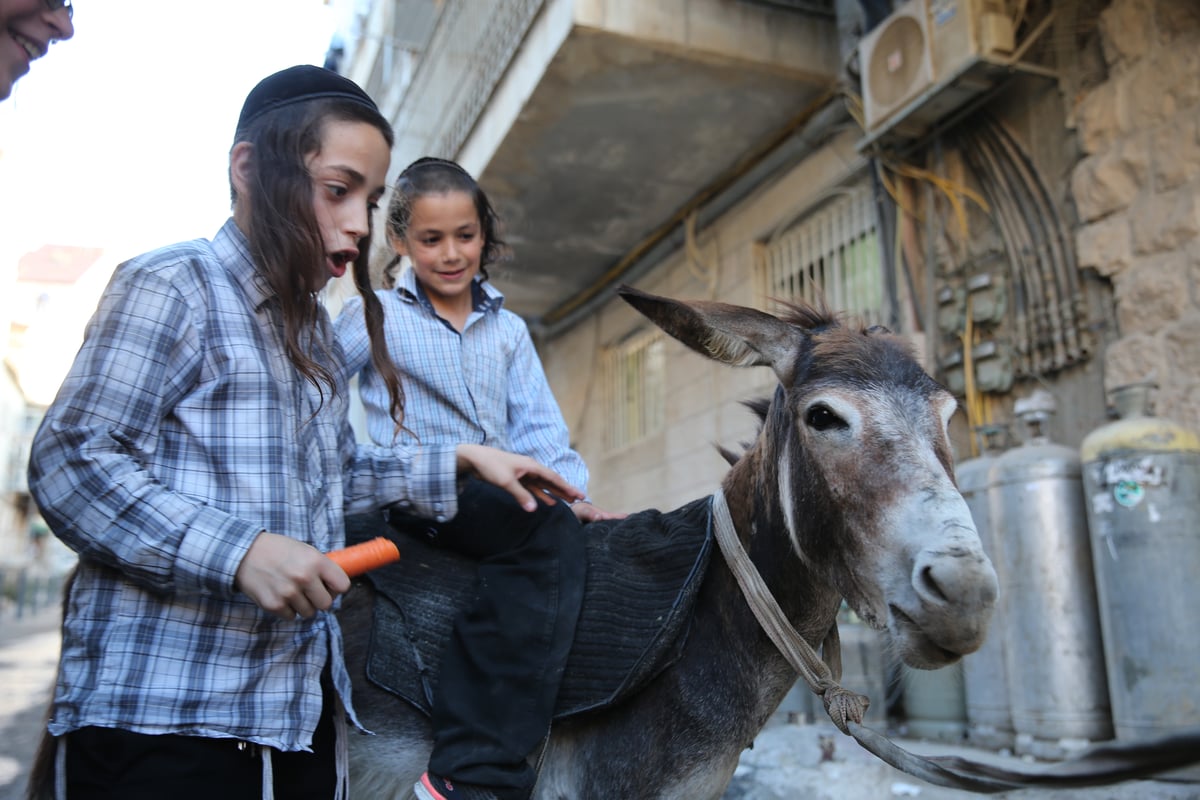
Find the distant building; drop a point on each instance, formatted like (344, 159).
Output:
(51, 296)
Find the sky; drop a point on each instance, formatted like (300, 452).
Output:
(119, 137)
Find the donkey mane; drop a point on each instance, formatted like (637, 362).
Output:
(758, 405)
(838, 339)
(811, 317)
(843, 339)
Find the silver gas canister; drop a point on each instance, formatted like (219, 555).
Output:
(985, 677)
(1141, 475)
(935, 703)
(1054, 657)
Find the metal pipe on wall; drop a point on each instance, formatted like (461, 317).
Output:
(1040, 278)
(1048, 312)
(1063, 251)
(1024, 340)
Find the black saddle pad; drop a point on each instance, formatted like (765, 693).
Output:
(643, 575)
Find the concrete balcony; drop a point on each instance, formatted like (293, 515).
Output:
(591, 123)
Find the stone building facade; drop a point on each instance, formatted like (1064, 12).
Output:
(1137, 194)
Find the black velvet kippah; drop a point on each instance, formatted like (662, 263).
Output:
(299, 84)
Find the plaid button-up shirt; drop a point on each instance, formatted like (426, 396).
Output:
(181, 432)
(483, 386)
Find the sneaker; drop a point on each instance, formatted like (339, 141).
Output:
(431, 787)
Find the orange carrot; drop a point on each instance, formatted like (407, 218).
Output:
(360, 558)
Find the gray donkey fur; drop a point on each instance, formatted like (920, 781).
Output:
(847, 492)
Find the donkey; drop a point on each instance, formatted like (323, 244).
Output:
(847, 492)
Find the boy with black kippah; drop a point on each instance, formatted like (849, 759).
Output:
(200, 461)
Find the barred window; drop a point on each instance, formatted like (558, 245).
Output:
(831, 252)
(633, 376)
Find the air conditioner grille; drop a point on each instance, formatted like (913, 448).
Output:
(896, 60)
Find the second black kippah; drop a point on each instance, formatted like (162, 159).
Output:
(297, 85)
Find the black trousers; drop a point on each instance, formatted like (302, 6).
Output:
(502, 667)
(112, 764)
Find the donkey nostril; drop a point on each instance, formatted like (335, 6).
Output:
(930, 585)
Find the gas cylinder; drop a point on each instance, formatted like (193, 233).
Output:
(935, 705)
(985, 678)
(1141, 477)
(1058, 689)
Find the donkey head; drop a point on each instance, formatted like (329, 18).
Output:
(855, 456)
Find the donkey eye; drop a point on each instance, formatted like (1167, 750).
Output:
(821, 418)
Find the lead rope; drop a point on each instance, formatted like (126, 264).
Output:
(1100, 765)
(842, 705)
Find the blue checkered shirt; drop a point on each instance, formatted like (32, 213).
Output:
(483, 386)
(181, 432)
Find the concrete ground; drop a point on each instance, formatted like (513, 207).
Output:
(818, 762)
(28, 658)
(787, 762)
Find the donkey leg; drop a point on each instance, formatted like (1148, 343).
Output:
(386, 763)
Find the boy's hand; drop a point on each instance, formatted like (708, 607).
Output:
(289, 578)
(520, 476)
(586, 512)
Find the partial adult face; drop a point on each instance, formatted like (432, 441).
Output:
(445, 244)
(349, 176)
(27, 27)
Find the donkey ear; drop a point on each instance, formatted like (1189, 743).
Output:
(734, 335)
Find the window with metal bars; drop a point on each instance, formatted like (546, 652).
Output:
(634, 381)
(830, 253)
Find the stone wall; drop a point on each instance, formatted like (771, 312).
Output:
(1137, 194)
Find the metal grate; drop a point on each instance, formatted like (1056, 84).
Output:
(634, 380)
(473, 42)
(831, 255)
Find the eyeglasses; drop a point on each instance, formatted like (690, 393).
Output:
(55, 5)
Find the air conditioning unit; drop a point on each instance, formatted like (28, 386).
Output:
(928, 58)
